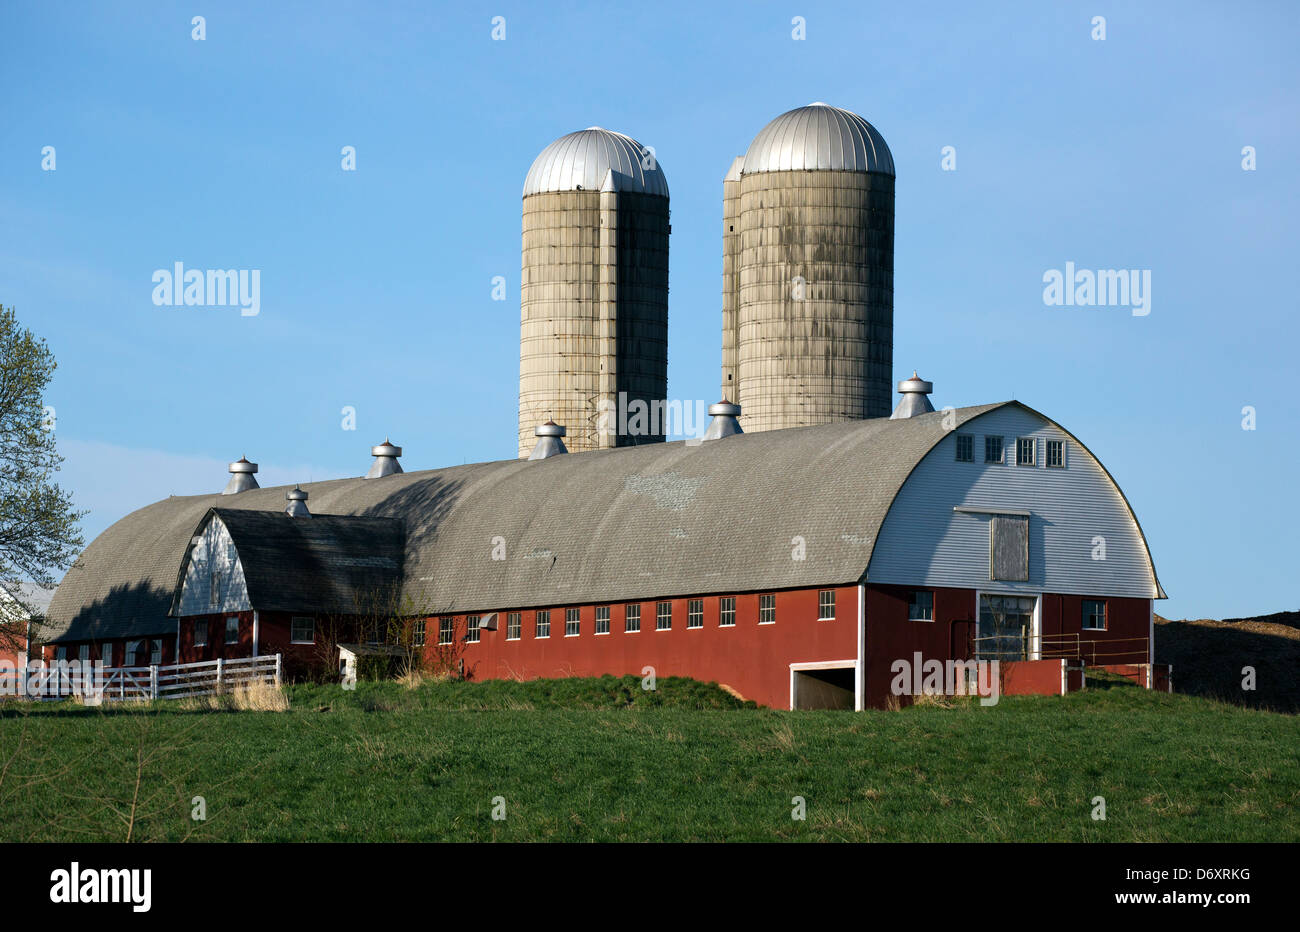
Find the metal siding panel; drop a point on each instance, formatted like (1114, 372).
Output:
(923, 542)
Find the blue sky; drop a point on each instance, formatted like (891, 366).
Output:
(376, 284)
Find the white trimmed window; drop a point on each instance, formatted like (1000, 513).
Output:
(695, 613)
(572, 622)
(602, 619)
(826, 605)
(128, 653)
(1026, 451)
(201, 632)
(83, 653)
(232, 629)
(514, 626)
(1094, 615)
(664, 616)
(992, 449)
(767, 609)
(542, 624)
(418, 631)
(632, 618)
(921, 606)
(1056, 454)
(965, 448)
(155, 651)
(302, 630)
(446, 630)
(727, 612)
(471, 628)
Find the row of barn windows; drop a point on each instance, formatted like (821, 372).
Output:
(631, 618)
(1026, 451)
(920, 607)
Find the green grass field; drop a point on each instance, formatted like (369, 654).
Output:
(601, 760)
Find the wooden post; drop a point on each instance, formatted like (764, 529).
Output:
(153, 681)
(218, 674)
(277, 671)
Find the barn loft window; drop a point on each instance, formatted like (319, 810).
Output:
(695, 613)
(514, 626)
(232, 629)
(1094, 615)
(1056, 454)
(418, 631)
(921, 606)
(727, 612)
(201, 633)
(632, 619)
(965, 448)
(992, 449)
(1009, 548)
(602, 619)
(664, 616)
(214, 587)
(302, 630)
(826, 605)
(767, 609)
(542, 624)
(572, 622)
(1026, 448)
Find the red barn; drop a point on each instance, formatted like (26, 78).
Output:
(799, 567)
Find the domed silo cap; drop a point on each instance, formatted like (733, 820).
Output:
(582, 161)
(818, 137)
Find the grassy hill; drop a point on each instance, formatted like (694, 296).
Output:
(599, 759)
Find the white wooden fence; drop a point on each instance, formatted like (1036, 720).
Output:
(171, 681)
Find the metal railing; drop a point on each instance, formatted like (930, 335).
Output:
(1074, 646)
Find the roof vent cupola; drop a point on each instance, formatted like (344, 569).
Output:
(385, 463)
(297, 507)
(549, 441)
(724, 423)
(914, 401)
(241, 477)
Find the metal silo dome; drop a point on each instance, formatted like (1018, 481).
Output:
(818, 137)
(581, 161)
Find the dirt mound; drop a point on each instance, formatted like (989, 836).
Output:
(1208, 657)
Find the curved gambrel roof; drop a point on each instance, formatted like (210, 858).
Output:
(607, 525)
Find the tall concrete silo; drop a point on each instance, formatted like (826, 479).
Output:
(594, 291)
(808, 272)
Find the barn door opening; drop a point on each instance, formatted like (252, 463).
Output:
(1006, 628)
(829, 685)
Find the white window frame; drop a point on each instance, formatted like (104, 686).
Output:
(911, 599)
(419, 632)
(660, 616)
(631, 615)
(293, 636)
(472, 635)
(1002, 450)
(1047, 455)
(226, 639)
(572, 622)
(155, 651)
(1033, 450)
(541, 617)
(821, 606)
(515, 623)
(692, 614)
(602, 610)
(446, 630)
(83, 653)
(762, 608)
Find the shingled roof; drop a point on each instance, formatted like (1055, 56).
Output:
(606, 525)
(322, 564)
